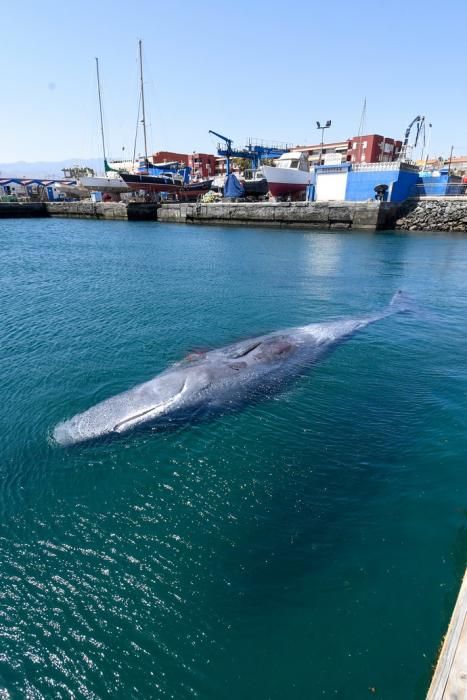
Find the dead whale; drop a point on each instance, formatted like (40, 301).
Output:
(204, 384)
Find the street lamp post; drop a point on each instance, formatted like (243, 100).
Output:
(322, 127)
(450, 160)
(427, 147)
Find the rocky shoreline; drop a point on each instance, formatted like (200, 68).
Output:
(433, 215)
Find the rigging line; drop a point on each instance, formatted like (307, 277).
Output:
(100, 109)
(142, 103)
(149, 93)
(361, 126)
(136, 132)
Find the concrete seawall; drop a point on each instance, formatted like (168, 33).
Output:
(83, 210)
(17, 210)
(428, 214)
(103, 210)
(370, 216)
(87, 210)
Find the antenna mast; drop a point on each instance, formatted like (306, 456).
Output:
(100, 111)
(142, 104)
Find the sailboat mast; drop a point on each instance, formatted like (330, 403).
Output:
(142, 104)
(100, 111)
(361, 126)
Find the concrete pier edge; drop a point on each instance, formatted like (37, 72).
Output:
(319, 215)
(81, 210)
(450, 677)
(428, 214)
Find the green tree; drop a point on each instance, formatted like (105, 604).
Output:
(241, 164)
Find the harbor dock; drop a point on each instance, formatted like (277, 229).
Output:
(450, 677)
(370, 216)
(429, 214)
(137, 211)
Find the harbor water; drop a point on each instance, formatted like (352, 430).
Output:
(308, 546)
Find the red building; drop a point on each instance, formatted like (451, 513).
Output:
(203, 165)
(221, 165)
(373, 148)
(161, 157)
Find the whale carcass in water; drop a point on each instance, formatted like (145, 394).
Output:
(207, 383)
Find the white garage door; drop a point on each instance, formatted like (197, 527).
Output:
(330, 186)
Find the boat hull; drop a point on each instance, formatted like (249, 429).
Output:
(104, 184)
(160, 183)
(195, 190)
(283, 181)
(278, 189)
(257, 188)
(150, 183)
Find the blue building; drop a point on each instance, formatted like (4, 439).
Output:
(398, 181)
(439, 183)
(356, 182)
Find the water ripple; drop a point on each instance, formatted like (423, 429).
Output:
(226, 558)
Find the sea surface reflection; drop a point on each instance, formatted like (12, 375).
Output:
(309, 545)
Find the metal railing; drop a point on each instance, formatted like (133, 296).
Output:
(386, 165)
(251, 141)
(439, 189)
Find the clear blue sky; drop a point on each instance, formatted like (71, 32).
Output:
(257, 68)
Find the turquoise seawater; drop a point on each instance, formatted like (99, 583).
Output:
(308, 546)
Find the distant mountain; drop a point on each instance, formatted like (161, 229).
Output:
(47, 169)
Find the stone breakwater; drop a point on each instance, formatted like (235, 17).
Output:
(433, 215)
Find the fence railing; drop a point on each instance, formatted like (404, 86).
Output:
(264, 143)
(439, 189)
(386, 165)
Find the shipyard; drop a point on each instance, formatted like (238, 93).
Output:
(233, 253)
(320, 183)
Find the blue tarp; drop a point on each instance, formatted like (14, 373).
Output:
(232, 187)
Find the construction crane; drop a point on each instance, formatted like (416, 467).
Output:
(252, 151)
(420, 122)
(227, 152)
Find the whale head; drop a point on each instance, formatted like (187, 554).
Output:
(158, 399)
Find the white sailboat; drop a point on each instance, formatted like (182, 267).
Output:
(111, 182)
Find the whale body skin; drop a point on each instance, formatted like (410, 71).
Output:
(204, 384)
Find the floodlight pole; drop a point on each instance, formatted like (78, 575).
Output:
(322, 127)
